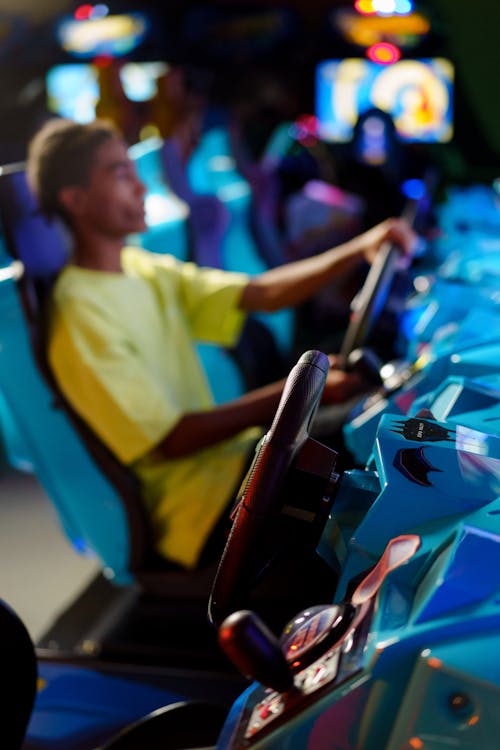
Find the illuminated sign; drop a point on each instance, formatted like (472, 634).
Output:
(110, 36)
(383, 7)
(365, 30)
(73, 88)
(418, 94)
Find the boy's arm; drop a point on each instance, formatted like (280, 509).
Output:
(198, 430)
(293, 283)
(283, 287)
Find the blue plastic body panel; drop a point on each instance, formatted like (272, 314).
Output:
(419, 669)
(480, 363)
(452, 327)
(466, 344)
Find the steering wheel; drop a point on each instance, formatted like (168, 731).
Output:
(253, 537)
(370, 300)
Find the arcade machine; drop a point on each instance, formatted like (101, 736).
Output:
(453, 281)
(398, 656)
(396, 653)
(401, 655)
(450, 329)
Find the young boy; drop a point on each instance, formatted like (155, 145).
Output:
(123, 327)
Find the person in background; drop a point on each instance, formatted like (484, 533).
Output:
(123, 327)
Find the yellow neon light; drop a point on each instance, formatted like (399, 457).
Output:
(367, 30)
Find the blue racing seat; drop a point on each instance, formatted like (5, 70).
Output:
(160, 167)
(167, 215)
(213, 169)
(97, 498)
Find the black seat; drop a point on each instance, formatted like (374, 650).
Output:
(19, 676)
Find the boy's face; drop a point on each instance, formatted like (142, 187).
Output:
(112, 203)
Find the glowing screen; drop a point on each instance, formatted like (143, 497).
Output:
(73, 88)
(112, 35)
(418, 94)
(72, 91)
(139, 79)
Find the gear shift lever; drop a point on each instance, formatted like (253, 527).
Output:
(254, 650)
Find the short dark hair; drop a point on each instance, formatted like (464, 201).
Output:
(61, 154)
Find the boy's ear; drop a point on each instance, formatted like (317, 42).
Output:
(72, 199)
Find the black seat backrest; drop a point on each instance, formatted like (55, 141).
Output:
(19, 676)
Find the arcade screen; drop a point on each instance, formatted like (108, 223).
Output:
(73, 89)
(418, 94)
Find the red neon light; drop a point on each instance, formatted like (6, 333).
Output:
(102, 61)
(83, 12)
(383, 53)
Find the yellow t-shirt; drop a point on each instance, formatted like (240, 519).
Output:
(121, 346)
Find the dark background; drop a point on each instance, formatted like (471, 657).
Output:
(272, 61)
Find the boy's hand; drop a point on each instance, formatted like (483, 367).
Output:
(397, 231)
(341, 386)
